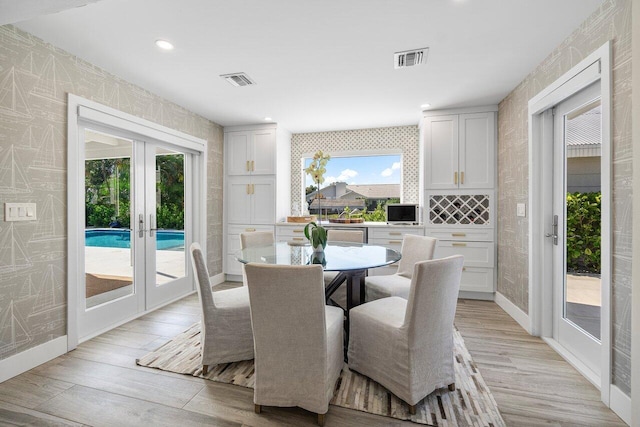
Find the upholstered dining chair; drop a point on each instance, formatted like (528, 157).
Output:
(251, 239)
(406, 345)
(298, 339)
(414, 249)
(226, 334)
(336, 235)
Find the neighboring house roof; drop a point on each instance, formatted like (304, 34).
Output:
(376, 191)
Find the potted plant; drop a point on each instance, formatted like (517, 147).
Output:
(317, 235)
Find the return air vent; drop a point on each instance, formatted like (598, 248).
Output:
(410, 58)
(238, 79)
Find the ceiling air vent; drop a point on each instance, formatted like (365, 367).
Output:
(409, 58)
(238, 79)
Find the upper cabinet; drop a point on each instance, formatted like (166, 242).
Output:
(251, 152)
(459, 150)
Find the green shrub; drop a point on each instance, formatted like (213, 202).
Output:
(171, 217)
(376, 215)
(583, 232)
(100, 215)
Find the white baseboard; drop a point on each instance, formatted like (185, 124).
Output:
(29, 359)
(514, 311)
(583, 369)
(620, 403)
(485, 296)
(217, 279)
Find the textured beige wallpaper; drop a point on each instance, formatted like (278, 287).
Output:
(35, 78)
(612, 21)
(404, 138)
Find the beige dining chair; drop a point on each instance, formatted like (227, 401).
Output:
(226, 334)
(298, 339)
(406, 345)
(252, 239)
(337, 235)
(414, 249)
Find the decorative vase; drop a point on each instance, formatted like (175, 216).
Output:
(318, 249)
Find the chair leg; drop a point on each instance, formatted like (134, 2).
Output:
(205, 369)
(257, 408)
(452, 387)
(412, 409)
(321, 420)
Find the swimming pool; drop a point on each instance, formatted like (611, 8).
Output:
(118, 238)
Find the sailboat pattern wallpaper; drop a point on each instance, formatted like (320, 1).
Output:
(35, 78)
(611, 21)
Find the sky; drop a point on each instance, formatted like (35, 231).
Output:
(361, 170)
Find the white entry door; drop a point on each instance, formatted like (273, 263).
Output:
(138, 221)
(576, 227)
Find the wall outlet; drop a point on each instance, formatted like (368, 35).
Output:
(19, 212)
(521, 209)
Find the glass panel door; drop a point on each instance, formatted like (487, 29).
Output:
(577, 193)
(168, 191)
(111, 286)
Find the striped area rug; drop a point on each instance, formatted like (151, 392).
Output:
(470, 405)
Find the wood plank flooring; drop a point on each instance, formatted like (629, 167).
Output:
(99, 383)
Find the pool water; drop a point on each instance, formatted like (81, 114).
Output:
(115, 238)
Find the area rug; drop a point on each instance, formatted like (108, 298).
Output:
(471, 404)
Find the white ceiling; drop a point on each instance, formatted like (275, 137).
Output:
(319, 65)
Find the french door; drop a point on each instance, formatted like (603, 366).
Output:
(138, 222)
(576, 230)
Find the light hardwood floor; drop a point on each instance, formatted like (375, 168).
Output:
(99, 383)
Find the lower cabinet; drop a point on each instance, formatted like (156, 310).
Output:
(477, 247)
(233, 266)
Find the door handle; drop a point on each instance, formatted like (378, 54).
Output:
(253, 166)
(247, 166)
(141, 225)
(462, 177)
(455, 178)
(554, 230)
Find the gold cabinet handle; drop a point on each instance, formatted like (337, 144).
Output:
(247, 166)
(253, 166)
(298, 231)
(395, 241)
(458, 234)
(455, 178)
(395, 233)
(250, 229)
(298, 238)
(248, 190)
(458, 244)
(461, 177)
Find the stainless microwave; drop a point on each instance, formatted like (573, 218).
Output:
(402, 213)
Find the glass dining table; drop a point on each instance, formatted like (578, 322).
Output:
(350, 260)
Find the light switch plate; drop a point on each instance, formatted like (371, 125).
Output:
(521, 209)
(19, 212)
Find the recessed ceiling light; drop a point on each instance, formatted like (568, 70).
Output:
(268, 119)
(163, 44)
(425, 106)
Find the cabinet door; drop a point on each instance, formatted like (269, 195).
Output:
(238, 200)
(476, 150)
(263, 154)
(238, 153)
(263, 203)
(441, 152)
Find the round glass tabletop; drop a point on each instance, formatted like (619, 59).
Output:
(337, 256)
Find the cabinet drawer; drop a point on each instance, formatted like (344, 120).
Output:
(233, 265)
(476, 279)
(393, 233)
(467, 234)
(237, 229)
(476, 254)
(285, 233)
(383, 271)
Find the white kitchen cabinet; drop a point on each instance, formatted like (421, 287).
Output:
(390, 237)
(257, 183)
(232, 265)
(459, 150)
(251, 152)
(251, 200)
